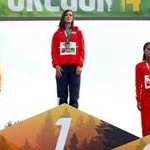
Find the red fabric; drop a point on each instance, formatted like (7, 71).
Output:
(76, 36)
(141, 71)
(145, 115)
(143, 96)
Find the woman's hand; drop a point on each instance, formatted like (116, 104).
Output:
(139, 106)
(59, 71)
(78, 70)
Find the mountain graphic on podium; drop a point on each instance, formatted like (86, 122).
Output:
(65, 128)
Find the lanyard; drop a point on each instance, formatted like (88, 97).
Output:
(148, 67)
(68, 34)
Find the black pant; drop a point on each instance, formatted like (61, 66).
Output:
(68, 82)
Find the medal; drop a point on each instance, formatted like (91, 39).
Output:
(67, 33)
(67, 44)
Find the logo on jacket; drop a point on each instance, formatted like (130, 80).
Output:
(68, 49)
(147, 82)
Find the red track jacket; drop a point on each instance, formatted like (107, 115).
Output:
(61, 55)
(142, 82)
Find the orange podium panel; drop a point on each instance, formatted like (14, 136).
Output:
(7, 145)
(65, 128)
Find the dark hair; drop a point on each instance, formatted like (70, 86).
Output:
(144, 47)
(62, 23)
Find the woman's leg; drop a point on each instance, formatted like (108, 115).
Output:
(74, 87)
(62, 86)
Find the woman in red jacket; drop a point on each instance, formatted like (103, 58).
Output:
(67, 58)
(143, 89)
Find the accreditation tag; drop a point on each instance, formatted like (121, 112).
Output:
(68, 48)
(147, 81)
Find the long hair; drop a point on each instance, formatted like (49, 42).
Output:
(144, 47)
(62, 19)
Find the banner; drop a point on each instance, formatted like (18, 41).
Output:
(84, 9)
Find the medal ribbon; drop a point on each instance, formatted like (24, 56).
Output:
(148, 67)
(68, 34)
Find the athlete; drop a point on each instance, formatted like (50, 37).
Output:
(68, 54)
(142, 80)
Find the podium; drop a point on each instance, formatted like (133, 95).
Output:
(140, 144)
(63, 128)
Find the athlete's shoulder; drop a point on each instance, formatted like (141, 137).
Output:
(140, 64)
(76, 28)
(58, 32)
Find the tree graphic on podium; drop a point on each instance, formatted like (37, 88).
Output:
(46, 138)
(73, 145)
(92, 144)
(65, 128)
(7, 145)
(26, 145)
(109, 136)
(84, 145)
(3, 144)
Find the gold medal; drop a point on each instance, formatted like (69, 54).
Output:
(67, 44)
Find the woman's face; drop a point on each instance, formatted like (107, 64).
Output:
(68, 17)
(147, 51)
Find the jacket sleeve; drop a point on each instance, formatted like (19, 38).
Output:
(54, 50)
(81, 45)
(138, 83)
